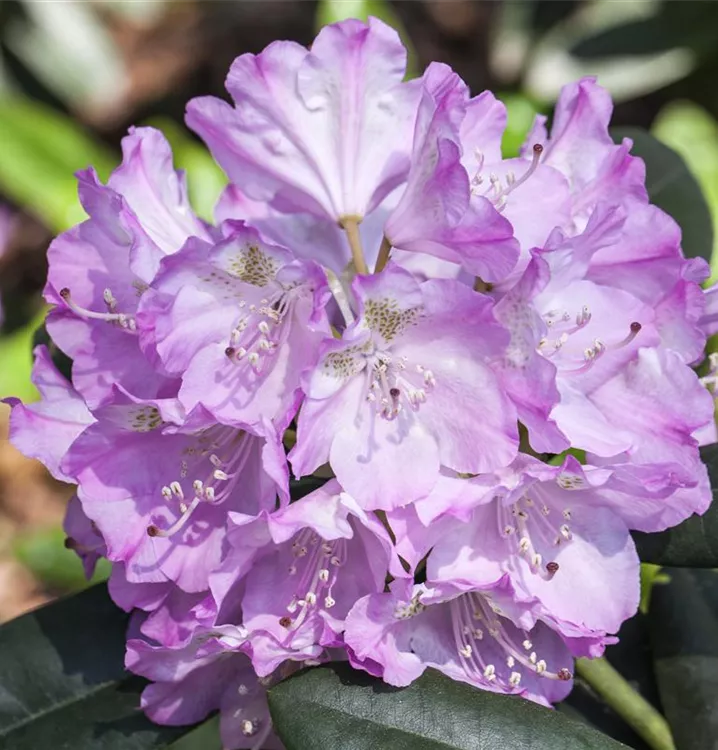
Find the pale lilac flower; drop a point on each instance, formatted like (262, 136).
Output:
(99, 269)
(437, 213)
(325, 130)
(160, 492)
(408, 389)
(477, 636)
(47, 428)
(238, 321)
(301, 570)
(211, 672)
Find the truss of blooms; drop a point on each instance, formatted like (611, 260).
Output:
(489, 359)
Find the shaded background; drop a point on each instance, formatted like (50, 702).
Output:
(75, 75)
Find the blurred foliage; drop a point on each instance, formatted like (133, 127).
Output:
(41, 151)
(693, 133)
(16, 361)
(44, 553)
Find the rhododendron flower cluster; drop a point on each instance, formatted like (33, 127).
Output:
(484, 362)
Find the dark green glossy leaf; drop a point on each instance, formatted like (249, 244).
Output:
(62, 681)
(693, 543)
(335, 706)
(683, 625)
(672, 187)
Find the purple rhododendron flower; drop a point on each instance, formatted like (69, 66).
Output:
(491, 411)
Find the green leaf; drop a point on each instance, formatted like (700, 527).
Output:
(43, 551)
(693, 543)
(520, 112)
(683, 625)
(63, 684)
(693, 133)
(41, 151)
(205, 180)
(16, 358)
(335, 706)
(672, 187)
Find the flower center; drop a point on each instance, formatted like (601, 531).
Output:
(315, 566)
(391, 383)
(531, 527)
(563, 326)
(126, 321)
(259, 332)
(480, 635)
(496, 192)
(227, 451)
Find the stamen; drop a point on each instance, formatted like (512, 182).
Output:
(635, 329)
(500, 198)
(123, 320)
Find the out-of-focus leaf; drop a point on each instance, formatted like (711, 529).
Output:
(693, 543)
(16, 361)
(40, 151)
(547, 13)
(683, 625)
(205, 180)
(672, 187)
(204, 737)
(693, 133)
(650, 576)
(63, 684)
(521, 112)
(336, 706)
(644, 36)
(43, 551)
(333, 11)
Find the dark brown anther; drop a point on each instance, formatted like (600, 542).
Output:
(538, 149)
(285, 621)
(564, 674)
(152, 530)
(635, 327)
(552, 568)
(230, 351)
(65, 293)
(394, 393)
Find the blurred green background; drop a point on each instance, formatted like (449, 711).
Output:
(75, 75)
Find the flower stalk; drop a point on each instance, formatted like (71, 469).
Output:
(350, 224)
(626, 702)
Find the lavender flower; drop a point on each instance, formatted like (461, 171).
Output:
(541, 297)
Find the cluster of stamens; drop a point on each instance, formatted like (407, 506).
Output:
(497, 192)
(563, 325)
(473, 619)
(391, 382)
(531, 525)
(315, 566)
(257, 334)
(122, 320)
(217, 484)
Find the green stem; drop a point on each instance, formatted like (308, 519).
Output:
(350, 224)
(626, 702)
